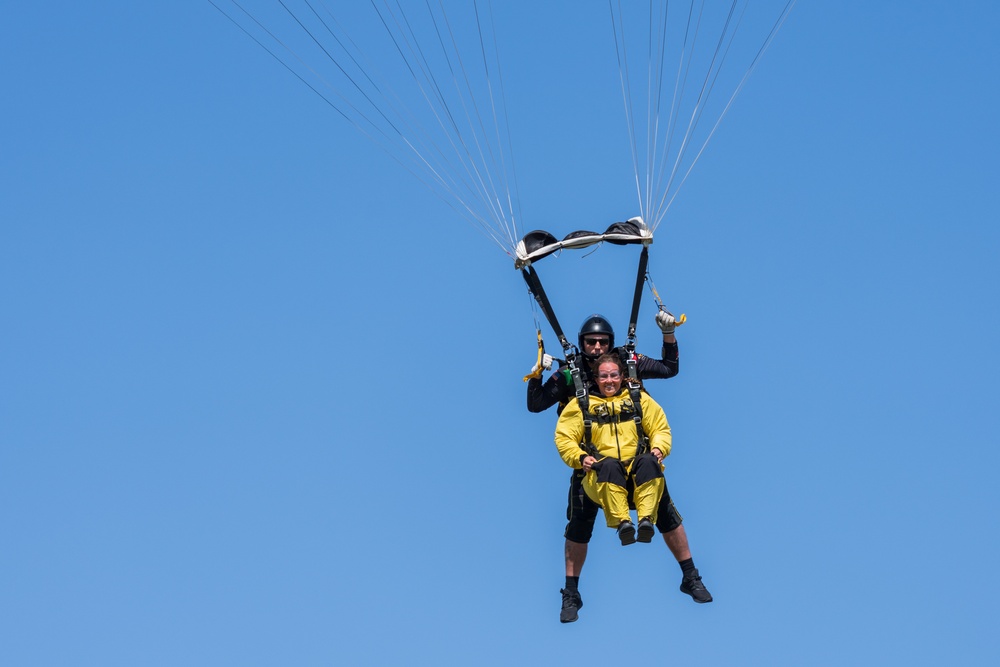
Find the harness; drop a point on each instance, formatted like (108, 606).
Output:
(631, 410)
(573, 355)
(634, 388)
(583, 400)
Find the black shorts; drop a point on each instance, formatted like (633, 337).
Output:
(581, 512)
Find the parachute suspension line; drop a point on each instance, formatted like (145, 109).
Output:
(477, 186)
(377, 113)
(350, 119)
(427, 147)
(538, 332)
(649, 105)
(397, 109)
(438, 174)
(468, 162)
(707, 84)
(779, 22)
(507, 218)
(334, 60)
(515, 216)
(504, 215)
(655, 67)
(656, 44)
(622, 53)
(427, 82)
(659, 302)
(684, 62)
(285, 64)
(376, 134)
(533, 304)
(675, 136)
(654, 95)
(653, 169)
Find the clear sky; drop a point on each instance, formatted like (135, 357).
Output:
(260, 389)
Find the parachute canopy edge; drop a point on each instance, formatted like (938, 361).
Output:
(539, 243)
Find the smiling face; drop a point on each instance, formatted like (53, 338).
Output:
(609, 378)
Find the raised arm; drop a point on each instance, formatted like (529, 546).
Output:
(667, 365)
(543, 395)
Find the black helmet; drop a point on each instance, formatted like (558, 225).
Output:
(596, 324)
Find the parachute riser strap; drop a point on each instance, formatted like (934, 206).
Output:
(633, 384)
(583, 401)
(637, 294)
(537, 291)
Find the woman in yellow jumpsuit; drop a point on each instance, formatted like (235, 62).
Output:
(616, 443)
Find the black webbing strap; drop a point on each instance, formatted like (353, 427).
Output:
(572, 359)
(537, 291)
(583, 400)
(634, 392)
(629, 353)
(637, 295)
(642, 443)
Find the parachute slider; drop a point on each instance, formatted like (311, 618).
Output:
(539, 243)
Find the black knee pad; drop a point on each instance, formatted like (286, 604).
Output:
(667, 516)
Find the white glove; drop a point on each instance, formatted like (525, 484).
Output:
(546, 364)
(665, 320)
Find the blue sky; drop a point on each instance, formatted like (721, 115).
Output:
(261, 396)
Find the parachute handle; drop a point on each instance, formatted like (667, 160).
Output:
(659, 302)
(537, 373)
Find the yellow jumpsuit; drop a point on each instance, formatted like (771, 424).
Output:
(614, 435)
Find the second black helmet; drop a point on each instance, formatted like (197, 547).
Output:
(596, 324)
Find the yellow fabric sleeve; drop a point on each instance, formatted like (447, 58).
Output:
(569, 434)
(654, 423)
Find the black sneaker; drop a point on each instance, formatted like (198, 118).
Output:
(691, 585)
(646, 530)
(571, 603)
(626, 532)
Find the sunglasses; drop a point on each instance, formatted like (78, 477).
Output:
(596, 341)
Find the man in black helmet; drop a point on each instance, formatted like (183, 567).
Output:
(596, 338)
